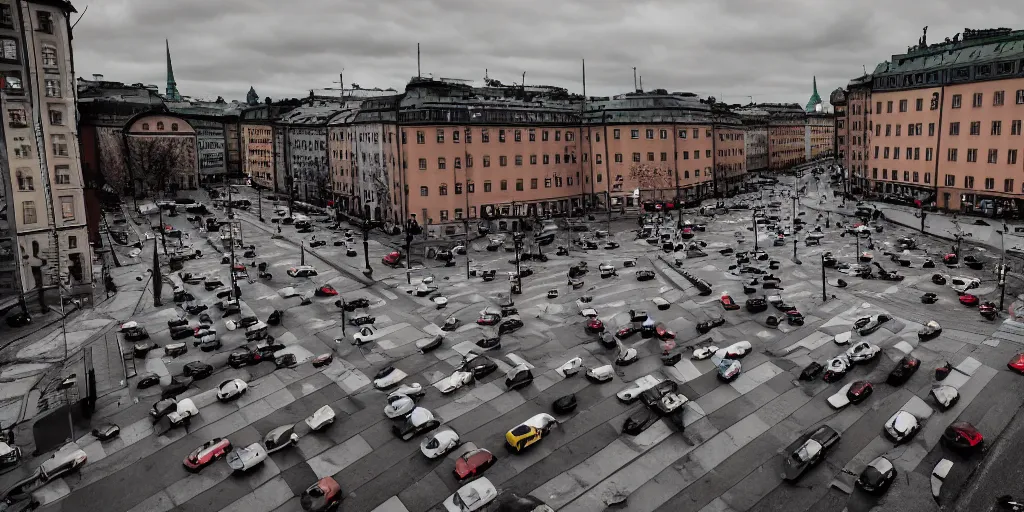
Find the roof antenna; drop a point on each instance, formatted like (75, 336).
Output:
(80, 17)
(863, 68)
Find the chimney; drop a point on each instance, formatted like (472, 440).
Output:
(97, 77)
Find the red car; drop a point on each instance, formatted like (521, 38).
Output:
(728, 303)
(962, 435)
(859, 391)
(473, 463)
(322, 360)
(626, 332)
(1017, 363)
(326, 291)
(594, 325)
(206, 454)
(488, 320)
(969, 300)
(663, 333)
(325, 494)
(392, 259)
(687, 233)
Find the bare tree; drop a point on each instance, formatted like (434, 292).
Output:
(649, 177)
(154, 160)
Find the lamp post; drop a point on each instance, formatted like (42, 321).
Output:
(465, 223)
(343, 317)
(302, 253)
(828, 219)
(517, 239)
(824, 294)
(753, 219)
(259, 201)
(367, 224)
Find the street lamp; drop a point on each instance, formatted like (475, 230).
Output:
(367, 225)
(753, 219)
(259, 201)
(517, 239)
(824, 294)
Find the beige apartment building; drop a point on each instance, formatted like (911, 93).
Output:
(43, 240)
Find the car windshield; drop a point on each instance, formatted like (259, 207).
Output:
(807, 451)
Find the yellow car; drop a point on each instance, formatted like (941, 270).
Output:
(529, 432)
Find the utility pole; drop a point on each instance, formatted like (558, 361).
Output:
(824, 293)
(634, 79)
(608, 171)
(753, 219)
(231, 230)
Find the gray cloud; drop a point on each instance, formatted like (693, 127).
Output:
(728, 48)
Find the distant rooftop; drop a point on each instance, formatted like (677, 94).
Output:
(974, 47)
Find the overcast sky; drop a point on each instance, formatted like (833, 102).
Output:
(732, 49)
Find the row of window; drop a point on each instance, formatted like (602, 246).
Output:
(990, 183)
(9, 52)
(442, 162)
(67, 212)
(485, 135)
(977, 101)
(160, 126)
(44, 20)
(906, 175)
(993, 156)
(911, 153)
(556, 181)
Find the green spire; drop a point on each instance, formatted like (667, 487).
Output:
(815, 99)
(172, 86)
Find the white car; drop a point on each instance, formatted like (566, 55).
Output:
(601, 373)
(414, 391)
(231, 389)
(661, 303)
(735, 351)
(186, 409)
(729, 369)
(439, 444)
(364, 335)
(863, 351)
(634, 390)
(390, 379)
(321, 419)
(961, 284)
(455, 381)
(902, 426)
(471, 497)
(703, 353)
(302, 271)
(399, 406)
(843, 338)
(589, 312)
(244, 459)
(571, 367)
(946, 396)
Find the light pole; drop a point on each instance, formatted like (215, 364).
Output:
(343, 317)
(302, 253)
(465, 222)
(517, 239)
(259, 201)
(366, 245)
(1002, 266)
(824, 294)
(231, 229)
(828, 219)
(753, 219)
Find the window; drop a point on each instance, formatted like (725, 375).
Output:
(504, 184)
(686, 155)
(707, 153)
(533, 183)
(12, 81)
(558, 135)
(444, 215)
(8, 49)
(650, 133)
(1011, 156)
(878, 107)
(1008, 185)
(519, 185)
(957, 100)
(598, 158)
(887, 152)
(28, 210)
(458, 188)
(487, 160)
(424, 191)
(25, 180)
(916, 176)
(60, 144)
(906, 175)
(16, 117)
(1020, 97)
(469, 139)
(696, 133)
(990, 183)
(615, 132)
(441, 163)
(664, 156)
(972, 155)
(997, 98)
(696, 155)
(45, 22)
(927, 178)
(63, 174)
(519, 160)
(485, 136)
(547, 159)
(1015, 127)
(67, 207)
(423, 164)
(898, 126)
(420, 137)
(878, 130)
(951, 154)
(72, 242)
(663, 134)
(618, 158)
(458, 160)
(993, 156)
(997, 127)
(501, 135)
(903, 105)
(950, 180)
(650, 156)
(569, 136)
(888, 130)
(634, 134)
(888, 107)
(533, 135)
(896, 153)
(470, 188)
(927, 154)
(636, 157)
(533, 159)
(682, 133)
(885, 174)
(455, 136)
(440, 136)
(6, 17)
(558, 158)
(931, 129)
(21, 148)
(976, 100)
(518, 135)
(954, 128)
(544, 135)
(975, 127)
(56, 116)
(919, 104)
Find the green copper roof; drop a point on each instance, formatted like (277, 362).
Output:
(172, 86)
(815, 99)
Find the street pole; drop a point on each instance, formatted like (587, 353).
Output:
(466, 223)
(259, 201)
(828, 219)
(231, 230)
(856, 237)
(366, 246)
(302, 253)
(795, 259)
(753, 219)
(1002, 284)
(408, 255)
(516, 239)
(342, 317)
(824, 294)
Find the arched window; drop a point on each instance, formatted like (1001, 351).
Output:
(443, 189)
(174, 127)
(145, 126)
(160, 125)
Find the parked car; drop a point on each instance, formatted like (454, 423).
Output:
(644, 275)
(280, 438)
(901, 426)
(142, 349)
(207, 454)
(859, 391)
(197, 370)
(480, 366)
(147, 380)
(737, 350)
(18, 319)
(931, 330)
(509, 325)
(601, 373)
(354, 304)
(439, 443)
(321, 418)
(183, 413)
(135, 333)
(518, 377)
(905, 368)
(963, 436)
(632, 392)
(178, 385)
(9, 455)
(67, 459)
(471, 497)
(727, 303)
(870, 324)
(460, 377)
(729, 369)
(530, 432)
(863, 352)
(808, 450)
(388, 377)
(945, 396)
(323, 495)
(419, 421)
(473, 463)
(638, 422)
(231, 389)
(877, 476)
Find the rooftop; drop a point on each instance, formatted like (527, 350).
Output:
(976, 46)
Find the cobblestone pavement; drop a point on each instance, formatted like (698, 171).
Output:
(728, 457)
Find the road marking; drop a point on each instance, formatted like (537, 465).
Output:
(264, 498)
(393, 504)
(339, 457)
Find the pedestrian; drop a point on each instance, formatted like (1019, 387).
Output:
(278, 228)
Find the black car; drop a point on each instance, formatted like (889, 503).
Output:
(639, 421)
(286, 361)
(812, 371)
(518, 377)
(489, 342)
(706, 326)
(182, 333)
(162, 408)
(353, 304)
(363, 319)
(565, 404)
(877, 476)
(195, 309)
(106, 432)
(197, 370)
(147, 380)
(905, 368)
(644, 275)
(655, 394)
(481, 366)
(141, 349)
(137, 333)
(248, 321)
(757, 305)
(510, 324)
(807, 451)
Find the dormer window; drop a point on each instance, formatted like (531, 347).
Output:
(160, 126)
(174, 127)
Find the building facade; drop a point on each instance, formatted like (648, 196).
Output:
(787, 135)
(44, 240)
(859, 128)
(755, 138)
(841, 126)
(947, 123)
(819, 136)
(161, 153)
(303, 144)
(258, 139)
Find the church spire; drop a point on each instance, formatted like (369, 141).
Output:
(172, 86)
(814, 103)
